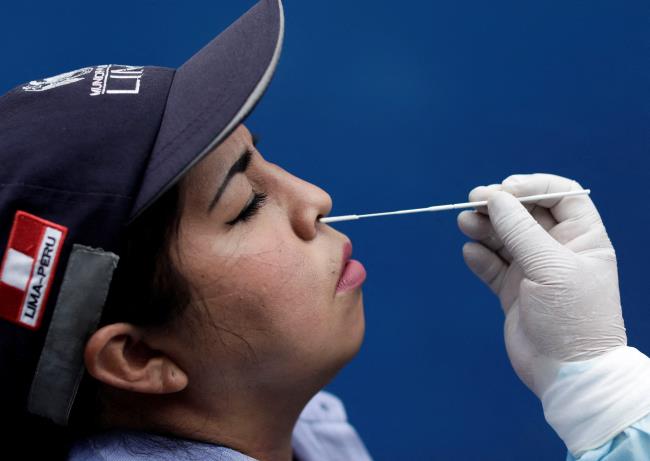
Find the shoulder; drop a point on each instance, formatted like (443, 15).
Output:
(82, 450)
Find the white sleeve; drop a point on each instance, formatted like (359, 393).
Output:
(590, 402)
(323, 432)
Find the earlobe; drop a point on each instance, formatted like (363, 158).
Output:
(119, 356)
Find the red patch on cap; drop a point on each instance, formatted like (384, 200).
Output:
(28, 269)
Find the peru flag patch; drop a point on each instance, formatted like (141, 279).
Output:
(28, 269)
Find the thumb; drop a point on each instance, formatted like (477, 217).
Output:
(541, 257)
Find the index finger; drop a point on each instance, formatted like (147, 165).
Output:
(564, 208)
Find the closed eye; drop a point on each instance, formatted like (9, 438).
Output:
(258, 201)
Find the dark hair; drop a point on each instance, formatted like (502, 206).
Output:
(147, 290)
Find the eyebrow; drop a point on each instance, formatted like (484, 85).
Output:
(240, 166)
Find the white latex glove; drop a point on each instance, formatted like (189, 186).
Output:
(554, 270)
(560, 293)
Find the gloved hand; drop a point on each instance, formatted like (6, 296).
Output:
(553, 268)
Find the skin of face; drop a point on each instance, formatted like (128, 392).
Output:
(266, 329)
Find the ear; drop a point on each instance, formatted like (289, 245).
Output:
(119, 356)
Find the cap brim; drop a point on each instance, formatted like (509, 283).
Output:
(211, 94)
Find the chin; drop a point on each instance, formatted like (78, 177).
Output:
(354, 335)
(348, 341)
(361, 330)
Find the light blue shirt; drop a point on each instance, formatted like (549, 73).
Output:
(633, 444)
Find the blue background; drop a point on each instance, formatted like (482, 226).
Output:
(391, 105)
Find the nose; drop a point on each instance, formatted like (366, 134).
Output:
(306, 204)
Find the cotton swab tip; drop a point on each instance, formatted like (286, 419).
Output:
(349, 217)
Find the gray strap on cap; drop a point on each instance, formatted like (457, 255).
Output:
(76, 314)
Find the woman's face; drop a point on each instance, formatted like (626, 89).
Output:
(266, 308)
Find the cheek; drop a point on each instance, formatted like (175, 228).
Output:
(266, 288)
(290, 282)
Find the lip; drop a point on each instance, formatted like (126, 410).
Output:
(347, 254)
(352, 273)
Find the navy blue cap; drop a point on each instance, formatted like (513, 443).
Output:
(82, 154)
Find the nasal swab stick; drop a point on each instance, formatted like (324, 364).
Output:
(453, 206)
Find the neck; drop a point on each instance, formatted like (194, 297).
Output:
(261, 428)
(259, 425)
